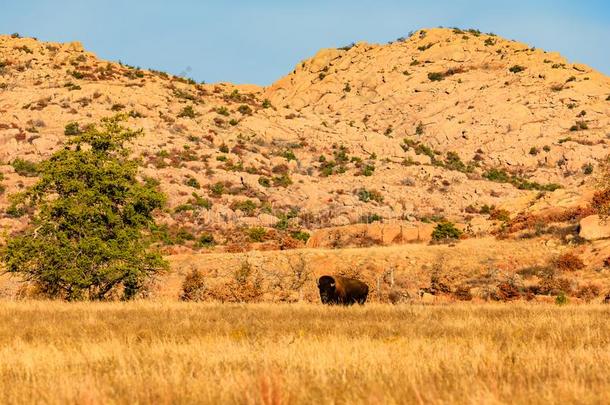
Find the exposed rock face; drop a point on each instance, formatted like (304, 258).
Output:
(370, 234)
(593, 228)
(371, 130)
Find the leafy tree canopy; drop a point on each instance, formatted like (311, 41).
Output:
(90, 216)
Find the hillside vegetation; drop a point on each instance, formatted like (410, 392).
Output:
(442, 136)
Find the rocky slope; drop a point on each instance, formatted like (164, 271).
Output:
(446, 123)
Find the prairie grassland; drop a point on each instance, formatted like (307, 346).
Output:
(146, 352)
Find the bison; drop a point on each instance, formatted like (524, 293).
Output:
(342, 290)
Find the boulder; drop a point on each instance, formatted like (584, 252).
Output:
(594, 227)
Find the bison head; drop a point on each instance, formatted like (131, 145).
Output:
(328, 289)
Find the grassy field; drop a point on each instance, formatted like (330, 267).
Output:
(147, 352)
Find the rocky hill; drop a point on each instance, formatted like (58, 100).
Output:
(447, 123)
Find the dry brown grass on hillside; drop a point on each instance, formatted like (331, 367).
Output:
(280, 354)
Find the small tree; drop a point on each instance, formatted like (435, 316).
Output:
(90, 212)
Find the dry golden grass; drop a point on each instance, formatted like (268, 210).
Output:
(147, 352)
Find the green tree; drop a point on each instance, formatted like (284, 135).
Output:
(88, 234)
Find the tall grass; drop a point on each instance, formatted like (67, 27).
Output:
(210, 353)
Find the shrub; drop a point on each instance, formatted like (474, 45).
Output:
(446, 231)
(244, 109)
(301, 235)
(72, 129)
(248, 207)
(264, 181)
(368, 170)
(516, 69)
(463, 293)
(206, 240)
(370, 218)
(187, 112)
(289, 155)
(184, 208)
(222, 111)
(217, 189)
(90, 214)
(257, 233)
(500, 215)
(193, 287)
(568, 262)
(25, 167)
(282, 181)
(497, 175)
(201, 202)
(507, 291)
(454, 162)
(588, 291)
(435, 76)
(587, 169)
(561, 299)
(369, 195)
(534, 151)
(266, 103)
(192, 182)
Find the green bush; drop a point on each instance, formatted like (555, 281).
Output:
(516, 69)
(25, 167)
(301, 235)
(446, 231)
(248, 207)
(289, 155)
(217, 189)
(370, 218)
(454, 162)
(561, 299)
(206, 240)
(244, 109)
(200, 202)
(282, 181)
(365, 195)
(72, 128)
(86, 238)
(497, 175)
(579, 126)
(587, 169)
(435, 76)
(368, 170)
(264, 181)
(192, 182)
(187, 112)
(257, 234)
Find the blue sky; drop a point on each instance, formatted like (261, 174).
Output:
(260, 41)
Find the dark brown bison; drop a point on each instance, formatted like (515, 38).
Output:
(342, 290)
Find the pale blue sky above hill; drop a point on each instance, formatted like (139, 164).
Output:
(259, 41)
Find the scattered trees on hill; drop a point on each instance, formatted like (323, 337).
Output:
(89, 216)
